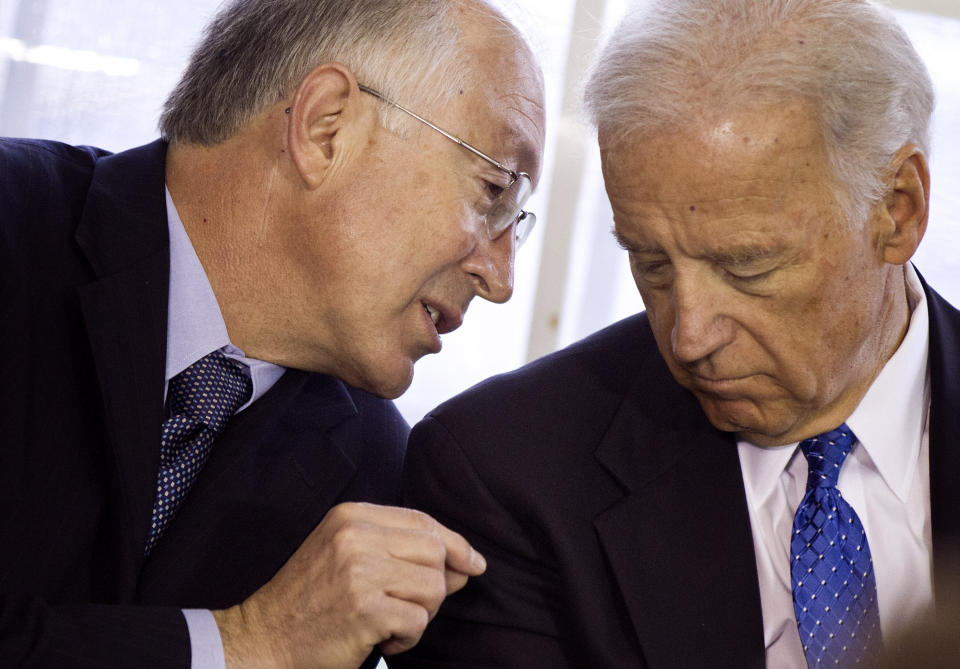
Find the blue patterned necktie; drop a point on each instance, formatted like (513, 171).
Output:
(834, 590)
(202, 398)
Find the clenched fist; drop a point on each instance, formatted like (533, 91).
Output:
(367, 575)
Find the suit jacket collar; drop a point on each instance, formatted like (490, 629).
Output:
(679, 541)
(944, 432)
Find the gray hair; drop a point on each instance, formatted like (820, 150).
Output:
(686, 59)
(256, 52)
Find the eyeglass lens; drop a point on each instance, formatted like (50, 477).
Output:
(508, 208)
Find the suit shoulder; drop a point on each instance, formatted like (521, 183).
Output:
(35, 155)
(562, 391)
(41, 176)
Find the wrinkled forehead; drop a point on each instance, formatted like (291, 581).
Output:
(501, 104)
(743, 144)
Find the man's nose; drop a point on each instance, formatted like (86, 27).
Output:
(491, 266)
(700, 327)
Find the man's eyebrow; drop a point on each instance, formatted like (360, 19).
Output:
(743, 255)
(634, 247)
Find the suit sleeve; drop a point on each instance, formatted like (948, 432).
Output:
(507, 617)
(33, 634)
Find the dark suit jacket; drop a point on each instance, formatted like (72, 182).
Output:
(612, 514)
(84, 265)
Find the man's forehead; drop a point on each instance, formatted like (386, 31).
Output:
(521, 119)
(732, 126)
(754, 151)
(505, 91)
(504, 119)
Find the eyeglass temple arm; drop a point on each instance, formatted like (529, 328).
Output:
(477, 152)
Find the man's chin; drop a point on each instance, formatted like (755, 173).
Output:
(388, 389)
(388, 386)
(746, 419)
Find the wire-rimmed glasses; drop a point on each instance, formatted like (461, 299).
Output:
(507, 208)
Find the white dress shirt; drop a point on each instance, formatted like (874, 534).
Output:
(886, 479)
(195, 328)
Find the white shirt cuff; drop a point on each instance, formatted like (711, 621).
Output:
(206, 647)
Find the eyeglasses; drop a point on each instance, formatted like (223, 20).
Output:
(507, 208)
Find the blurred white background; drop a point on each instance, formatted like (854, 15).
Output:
(96, 72)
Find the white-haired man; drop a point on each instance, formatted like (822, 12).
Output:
(761, 468)
(200, 335)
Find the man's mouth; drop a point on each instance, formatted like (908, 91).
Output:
(434, 314)
(444, 318)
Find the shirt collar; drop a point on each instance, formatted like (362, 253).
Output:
(195, 326)
(891, 438)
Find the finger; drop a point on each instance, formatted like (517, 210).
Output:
(438, 547)
(417, 584)
(455, 580)
(401, 624)
(385, 516)
(459, 554)
(421, 584)
(393, 646)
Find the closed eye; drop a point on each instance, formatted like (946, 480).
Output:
(653, 273)
(747, 276)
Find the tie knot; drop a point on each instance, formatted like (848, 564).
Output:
(210, 390)
(825, 454)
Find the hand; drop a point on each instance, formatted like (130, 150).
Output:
(366, 575)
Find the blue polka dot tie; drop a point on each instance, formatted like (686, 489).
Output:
(834, 591)
(202, 398)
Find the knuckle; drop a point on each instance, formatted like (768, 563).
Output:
(354, 567)
(419, 621)
(360, 600)
(349, 537)
(436, 591)
(336, 515)
(345, 511)
(424, 522)
(435, 541)
(432, 550)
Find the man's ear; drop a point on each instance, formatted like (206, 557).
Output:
(321, 110)
(904, 209)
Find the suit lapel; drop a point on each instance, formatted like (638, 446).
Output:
(679, 542)
(944, 431)
(273, 474)
(124, 236)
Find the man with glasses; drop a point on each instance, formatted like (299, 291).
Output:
(203, 335)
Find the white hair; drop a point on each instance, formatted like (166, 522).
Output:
(682, 60)
(256, 52)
